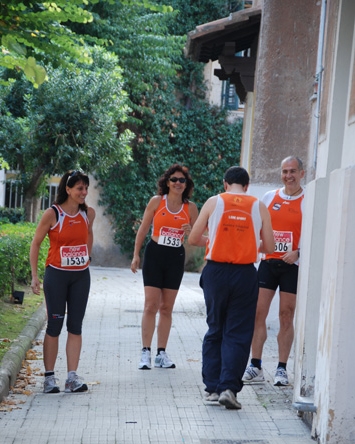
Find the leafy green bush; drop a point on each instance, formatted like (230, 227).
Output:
(11, 215)
(15, 242)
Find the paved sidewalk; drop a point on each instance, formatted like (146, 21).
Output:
(125, 405)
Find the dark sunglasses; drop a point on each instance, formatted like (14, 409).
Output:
(176, 179)
(72, 174)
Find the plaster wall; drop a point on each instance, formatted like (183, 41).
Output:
(338, 67)
(323, 365)
(105, 252)
(247, 137)
(309, 291)
(214, 85)
(349, 136)
(334, 391)
(286, 65)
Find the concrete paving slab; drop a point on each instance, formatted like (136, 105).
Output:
(125, 405)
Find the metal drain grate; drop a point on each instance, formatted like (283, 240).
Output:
(232, 441)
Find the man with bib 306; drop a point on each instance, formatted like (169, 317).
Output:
(171, 216)
(279, 270)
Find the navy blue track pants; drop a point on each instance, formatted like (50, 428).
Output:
(231, 294)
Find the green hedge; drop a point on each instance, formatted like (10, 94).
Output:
(15, 242)
(11, 215)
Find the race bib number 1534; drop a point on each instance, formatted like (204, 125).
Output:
(75, 256)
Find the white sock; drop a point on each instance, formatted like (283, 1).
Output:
(71, 375)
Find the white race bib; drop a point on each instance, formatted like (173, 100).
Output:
(75, 256)
(283, 241)
(171, 237)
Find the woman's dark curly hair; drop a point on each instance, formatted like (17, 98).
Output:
(162, 182)
(69, 179)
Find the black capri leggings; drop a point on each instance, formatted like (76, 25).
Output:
(66, 290)
(163, 267)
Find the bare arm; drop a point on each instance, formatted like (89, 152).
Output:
(197, 236)
(91, 216)
(193, 212)
(266, 234)
(143, 230)
(47, 221)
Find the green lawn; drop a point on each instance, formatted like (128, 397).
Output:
(14, 317)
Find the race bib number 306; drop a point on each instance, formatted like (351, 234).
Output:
(171, 237)
(75, 256)
(283, 241)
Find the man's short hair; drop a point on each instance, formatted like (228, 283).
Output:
(236, 174)
(299, 161)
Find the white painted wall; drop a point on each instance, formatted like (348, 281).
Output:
(214, 85)
(325, 329)
(105, 252)
(334, 390)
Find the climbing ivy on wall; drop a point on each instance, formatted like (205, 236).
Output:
(170, 118)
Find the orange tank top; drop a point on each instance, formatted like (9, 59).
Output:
(68, 242)
(167, 225)
(286, 220)
(234, 229)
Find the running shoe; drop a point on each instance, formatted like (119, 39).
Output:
(253, 374)
(75, 385)
(50, 384)
(229, 400)
(212, 397)
(163, 361)
(145, 362)
(281, 378)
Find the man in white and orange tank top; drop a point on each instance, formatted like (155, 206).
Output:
(279, 270)
(239, 226)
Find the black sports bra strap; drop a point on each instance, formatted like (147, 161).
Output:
(56, 212)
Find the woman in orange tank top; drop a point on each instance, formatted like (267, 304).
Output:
(68, 224)
(171, 216)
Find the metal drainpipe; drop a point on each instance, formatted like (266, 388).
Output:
(319, 78)
(304, 405)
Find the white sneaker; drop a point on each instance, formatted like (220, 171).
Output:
(75, 385)
(163, 361)
(212, 397)
(229, 400)
(51, 385)
(253, 374)
(145, 362)
(281, 377)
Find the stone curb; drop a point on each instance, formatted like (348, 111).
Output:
(12, 360)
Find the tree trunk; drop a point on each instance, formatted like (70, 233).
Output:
(31, 201)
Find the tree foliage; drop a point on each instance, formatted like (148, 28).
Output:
(69, 122)
(38, 31)
(32, 31)
(171, 120)
(205, 144)
(72, 119)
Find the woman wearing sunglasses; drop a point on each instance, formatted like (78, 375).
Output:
(171, 215)
(66, 284)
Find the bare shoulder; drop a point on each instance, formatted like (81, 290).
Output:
(154, 202)
(211, 202)
(48, 220)
(49, 216)
(192, 205)
(91, 213)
